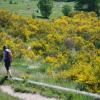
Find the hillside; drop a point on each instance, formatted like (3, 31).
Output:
(70, 46)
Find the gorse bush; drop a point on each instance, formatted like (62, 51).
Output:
(69, 44)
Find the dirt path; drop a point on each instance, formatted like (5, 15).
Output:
(23, 96)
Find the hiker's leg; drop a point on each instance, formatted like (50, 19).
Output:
(10, 74)
(7, 73)
(6, 66)
(10, 70)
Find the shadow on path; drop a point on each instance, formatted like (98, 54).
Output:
(2, 80)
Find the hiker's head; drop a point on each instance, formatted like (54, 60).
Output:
(5, 47)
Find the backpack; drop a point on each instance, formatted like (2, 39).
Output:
(9, 56)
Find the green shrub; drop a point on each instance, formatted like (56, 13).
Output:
(97, 44)
(88, 5)
(10, 2)
(66, 9)
(33, 15)
(45, 7)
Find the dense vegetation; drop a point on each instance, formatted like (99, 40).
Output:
(88, 5)
(71, 45)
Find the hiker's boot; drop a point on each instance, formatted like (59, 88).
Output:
(6, 77)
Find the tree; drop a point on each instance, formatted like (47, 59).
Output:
(88, 5)
(10, 2)
(45, 7)
(66, 9)
(13, 2)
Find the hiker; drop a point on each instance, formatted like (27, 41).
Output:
(7, 57)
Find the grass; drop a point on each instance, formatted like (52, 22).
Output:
(38, 73)
(4, 96)
(26, 8)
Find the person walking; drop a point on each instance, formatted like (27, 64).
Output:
(7, 57)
